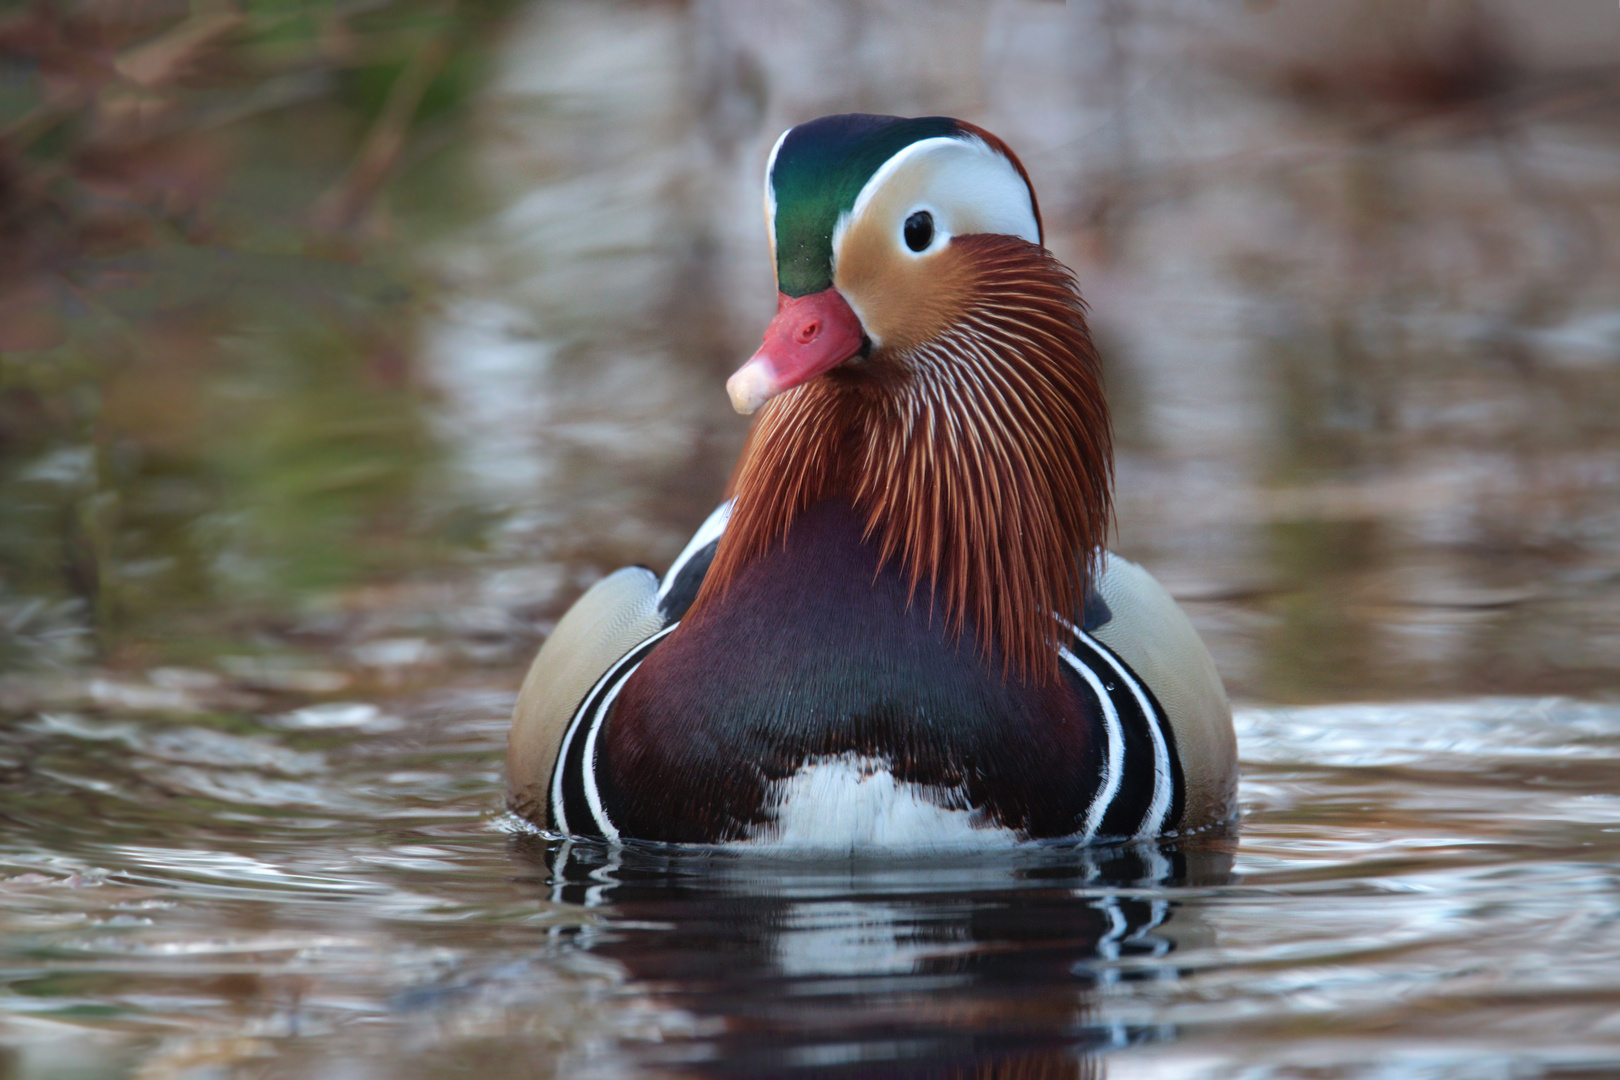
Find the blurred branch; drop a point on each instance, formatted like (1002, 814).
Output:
(342, 207)
(166, 59)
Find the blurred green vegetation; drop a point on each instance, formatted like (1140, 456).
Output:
(207, 307)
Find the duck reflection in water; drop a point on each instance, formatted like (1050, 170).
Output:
(984, 966)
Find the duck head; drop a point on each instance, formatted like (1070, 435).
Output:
(929, 362)
(863, 214)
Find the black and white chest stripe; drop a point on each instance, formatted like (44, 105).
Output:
(1142, 789)
(1141, 792)
(576, 805)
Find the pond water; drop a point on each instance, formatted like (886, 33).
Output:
(1416, 890)
(340, 350)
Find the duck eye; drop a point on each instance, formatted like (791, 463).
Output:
(919, 230)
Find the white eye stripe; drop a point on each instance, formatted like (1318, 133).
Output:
(966, 185)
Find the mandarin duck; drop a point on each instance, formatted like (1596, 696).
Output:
(902, 630)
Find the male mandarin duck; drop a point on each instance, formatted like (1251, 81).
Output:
(902, 631)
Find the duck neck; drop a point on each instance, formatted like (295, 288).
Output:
(980, 460)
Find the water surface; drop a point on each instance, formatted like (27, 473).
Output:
(1416, 890)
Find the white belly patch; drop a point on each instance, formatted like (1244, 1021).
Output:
(852, 803)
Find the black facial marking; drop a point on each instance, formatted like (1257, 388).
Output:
(684, 589)
(919, 230)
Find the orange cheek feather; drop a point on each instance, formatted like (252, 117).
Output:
(903, 300)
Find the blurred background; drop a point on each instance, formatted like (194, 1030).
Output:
(373, 332)
(344, 342)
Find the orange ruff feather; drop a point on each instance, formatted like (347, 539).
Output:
(982, 457)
